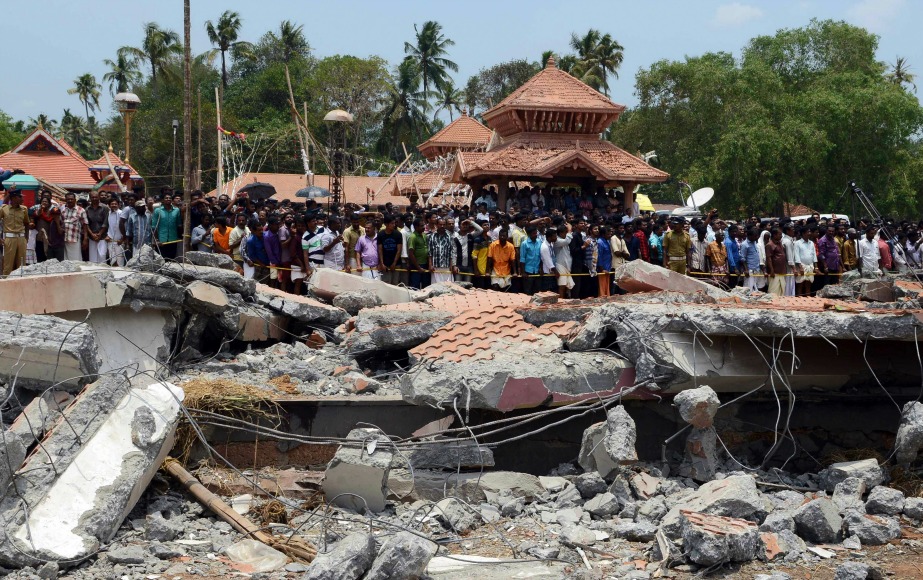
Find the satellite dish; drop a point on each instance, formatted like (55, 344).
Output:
(700, 197)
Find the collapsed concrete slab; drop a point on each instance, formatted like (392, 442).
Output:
(209, 259)
(89, 471)
(641, 276)
(328, 283)
(227, 279)
(449, 454)
(392, 328)
(300, 308)
(357, 476)
(496, 360)
(47, 351)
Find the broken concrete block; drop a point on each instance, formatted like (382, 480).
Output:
(857, 571)
(300, 308)
(205, 298)
(848, 494)
(227, 279)
(456, 515)
(209, 259)
(450, 454)
(836, 292)
(620, 435)
(876, 290)
(603, 505)
(818, 521)
(146, 259)
(872, 530)
(884, 500)
(12, 454)
(48, 351)
(781, 544)
(593, 455)
(328, 283)
(867, 470)
(360, 468)
(634, 531)
(349, 559)
(356, 300)
(590, 484)
(78, 495)
(698, 406)
(575, 535)
(735, 496)
(913, 508)
(472, 487)
(701, 458)
(39, 416)
(385, 329)
(644, 484)
(909, 433)
(710, 540)
(778, 521)
(403, 555)
(641, 276)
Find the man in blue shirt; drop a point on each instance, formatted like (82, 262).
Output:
(733, 249)
(750, 259)
(530, 256)
(165, 224)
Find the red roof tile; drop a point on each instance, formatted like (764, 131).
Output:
(463, 133)
(554, 89)
(410, 183)
(53, 160)
(480, 300)
(286, 184)
(543, 158)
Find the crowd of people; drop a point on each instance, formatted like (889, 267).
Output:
(545, 240)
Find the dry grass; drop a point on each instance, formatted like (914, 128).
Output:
(852, 455)
(223, 397)
(284, 383)
(903, 479)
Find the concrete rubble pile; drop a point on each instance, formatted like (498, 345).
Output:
(639, 397)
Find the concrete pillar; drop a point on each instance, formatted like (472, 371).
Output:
(629, 196)
(503, 189)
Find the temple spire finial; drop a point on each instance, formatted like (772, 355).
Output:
(551, 63)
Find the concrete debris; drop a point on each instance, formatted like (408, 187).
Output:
(710, 539)
(447, 454)
(884, 500)
(206, 298)
(47, 351)
(349, 559)
(872, 530)
(783, 544)
(701, 459)
(857, 571)
(641, 276)
(603, 505)
(620, 436)
(818, 521)
(909, 433)
(357, 476)
(403, 555)
(380, 329)
(457, 516)
(847, 495)
(913, 508)
(593, 454)
(12, 454)
(698, 406)
(209, 259)
(590, 484)
(300, 308)
(227, 279)
(77, 501)
(735, 497)
(354, 301)
(867, 470)
(328, 284)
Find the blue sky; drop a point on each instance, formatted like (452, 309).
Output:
(74, 37)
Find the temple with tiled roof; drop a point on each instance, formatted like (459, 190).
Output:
(55, 162)
(463, 134)
(550, 131)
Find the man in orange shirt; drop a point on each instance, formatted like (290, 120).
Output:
(501, 261)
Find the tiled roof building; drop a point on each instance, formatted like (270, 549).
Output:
(550, 131)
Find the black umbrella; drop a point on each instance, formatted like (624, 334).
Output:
(312, 192)
(258, 190)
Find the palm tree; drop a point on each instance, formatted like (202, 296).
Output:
(900, 74)
(87, 90)
(223, 35)
(609, 55)
(42, 120)
(292, 41)
(429, 55)
(449, 99)
(123, 72)
(405, 111)
(157, 49)
(76, 131)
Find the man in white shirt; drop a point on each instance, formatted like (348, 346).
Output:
(805, 260)
(546, 253)
(788, 244)
(331, 242)
(870, 253)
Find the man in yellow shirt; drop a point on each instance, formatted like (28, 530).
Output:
(15, 219)
(501, 261)
(351, 235)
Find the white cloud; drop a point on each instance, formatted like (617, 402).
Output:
(875, 15)
(735, 14)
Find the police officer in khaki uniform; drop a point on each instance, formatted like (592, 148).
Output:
(676, 246)
(15, 219)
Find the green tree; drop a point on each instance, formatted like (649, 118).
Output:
(291, 41)
(44, 121)
(87, 90)
(10, 135)
(609, 56)
(75, 131)
(428, 54)
(159, 47)
(404, 118)
(224, 34)
(493, 84)
(449, 99)
(900, 74)
(800, 114)
(123, 73)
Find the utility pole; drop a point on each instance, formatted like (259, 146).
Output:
(198, 179)
(187, 127)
